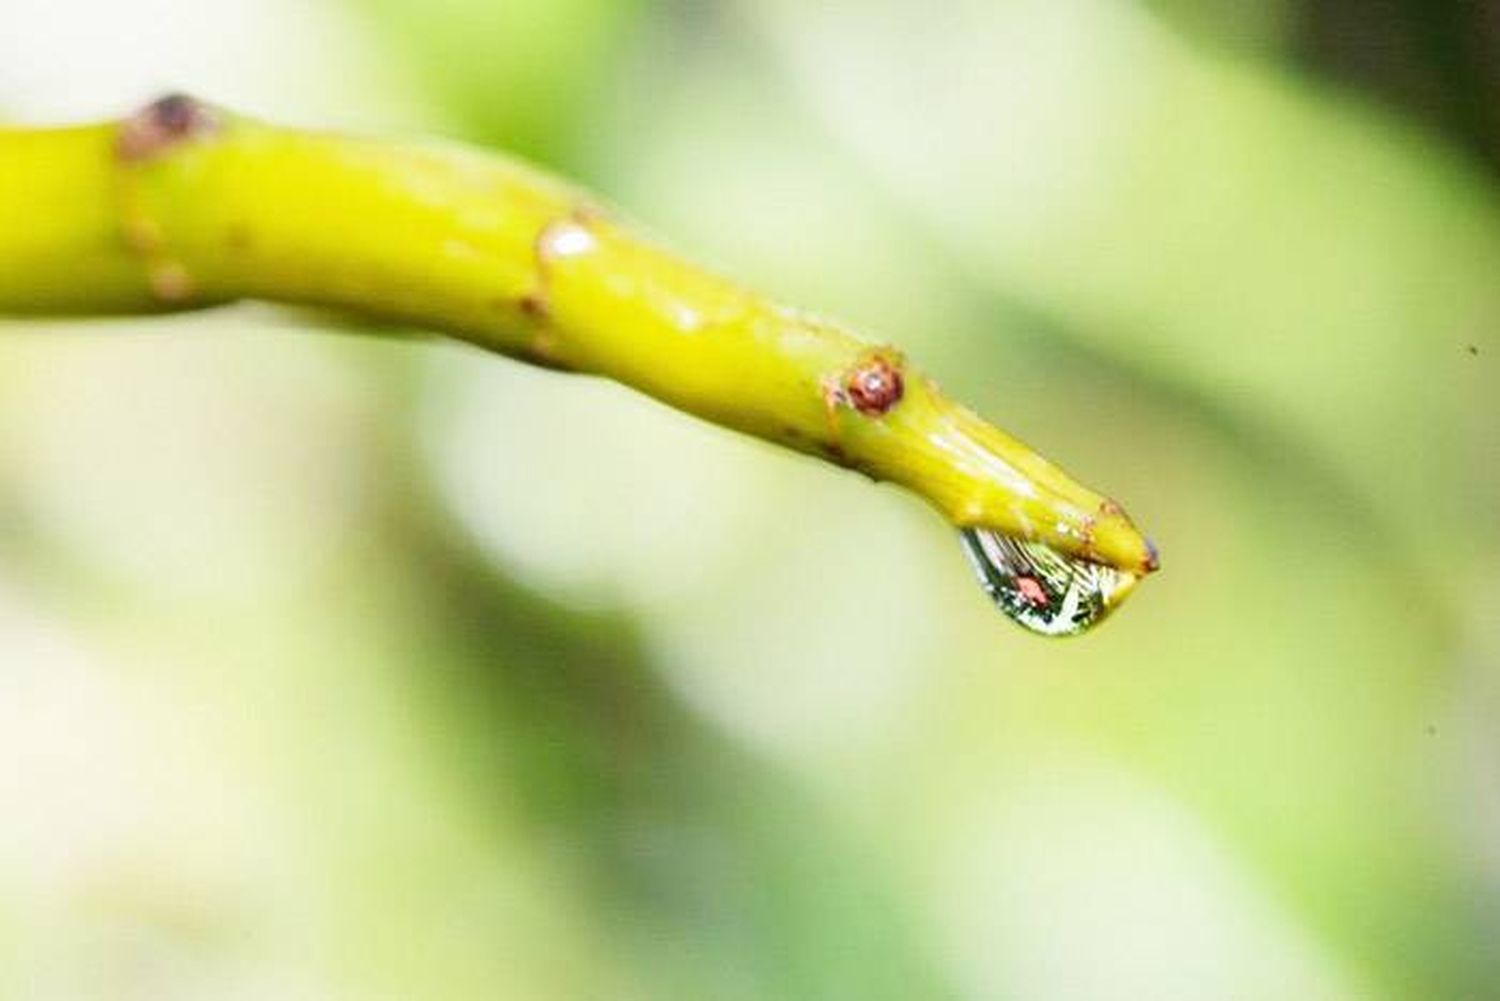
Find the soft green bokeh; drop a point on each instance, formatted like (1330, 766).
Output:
(359, 668)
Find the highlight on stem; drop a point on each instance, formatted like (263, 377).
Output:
(185, 205)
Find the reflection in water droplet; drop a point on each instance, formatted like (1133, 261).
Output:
(1046, 591)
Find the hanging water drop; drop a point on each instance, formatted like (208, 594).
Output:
(1041, 589)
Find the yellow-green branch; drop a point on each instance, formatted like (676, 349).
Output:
(185, 205)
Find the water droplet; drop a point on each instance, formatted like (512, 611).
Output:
(1037, 587)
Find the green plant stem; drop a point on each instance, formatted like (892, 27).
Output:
(184, 205)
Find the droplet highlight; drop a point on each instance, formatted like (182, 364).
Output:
(1041, 589)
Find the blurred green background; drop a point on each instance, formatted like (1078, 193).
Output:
(342, 667)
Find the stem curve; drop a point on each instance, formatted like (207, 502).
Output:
(185, 205)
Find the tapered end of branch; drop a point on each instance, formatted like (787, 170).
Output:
(982, 478)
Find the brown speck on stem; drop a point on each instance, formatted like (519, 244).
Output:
(875, 387)
(1474, 350)
(171, 283)
(163, 124)
(534, 305)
